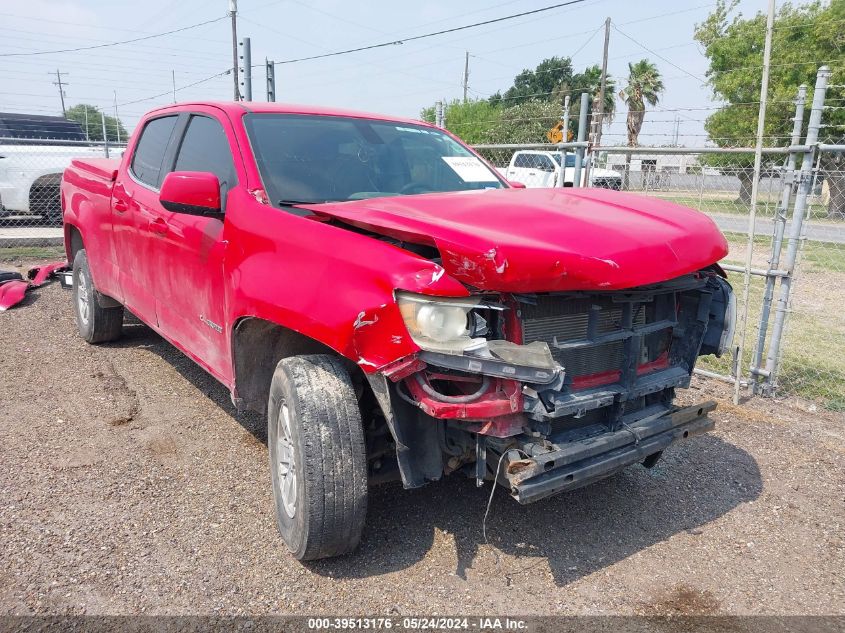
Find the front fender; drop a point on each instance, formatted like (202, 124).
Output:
(331, 284)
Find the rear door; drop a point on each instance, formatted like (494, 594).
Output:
(134, 205)
(189, 289)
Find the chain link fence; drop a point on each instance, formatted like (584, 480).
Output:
(30, 199)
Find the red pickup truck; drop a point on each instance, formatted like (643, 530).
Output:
(395, 307)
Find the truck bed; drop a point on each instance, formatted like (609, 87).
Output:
(103, 167)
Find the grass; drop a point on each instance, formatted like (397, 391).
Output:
(25, 253)
(813, 350)
(814, 257)
(728, 203)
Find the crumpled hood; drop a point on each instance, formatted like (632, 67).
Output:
(545, 240)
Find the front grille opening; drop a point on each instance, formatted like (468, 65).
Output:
(561, 320)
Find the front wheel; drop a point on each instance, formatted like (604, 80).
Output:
(318, 457)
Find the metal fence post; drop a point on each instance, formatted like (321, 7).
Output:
(777, 240)
(582, 134)
(561, 176)
(105, 134)
(805, 182)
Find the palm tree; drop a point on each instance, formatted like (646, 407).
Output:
(644, 86)
(589, 81)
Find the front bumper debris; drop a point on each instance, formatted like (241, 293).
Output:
(542, 469)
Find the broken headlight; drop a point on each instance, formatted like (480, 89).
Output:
(439, 324)
(722, 319)
(729, 326)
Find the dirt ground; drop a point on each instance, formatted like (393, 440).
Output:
(128, 485)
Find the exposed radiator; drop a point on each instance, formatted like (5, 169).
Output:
(561, 320)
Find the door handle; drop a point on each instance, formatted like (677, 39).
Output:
(158, 226)
(120, 206)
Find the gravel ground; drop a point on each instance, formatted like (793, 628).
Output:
(128, 485)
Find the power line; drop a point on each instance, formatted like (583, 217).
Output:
(658, 55)
(433, 34)
(93, 46)
(171, 91)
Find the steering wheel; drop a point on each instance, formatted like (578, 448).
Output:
(414, 187)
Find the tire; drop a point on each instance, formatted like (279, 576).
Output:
(95, 323)
(313, 416)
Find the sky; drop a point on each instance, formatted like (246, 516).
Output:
(399, 79)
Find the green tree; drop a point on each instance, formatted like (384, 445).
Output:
(90, 115)
(547, 82)
(589, 81)
(804, 38)
(526, 122)
(471, 120)
(644, 87)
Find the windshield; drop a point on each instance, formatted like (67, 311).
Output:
(308, 158)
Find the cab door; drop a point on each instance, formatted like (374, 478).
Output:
(134, 204)
(189, 290)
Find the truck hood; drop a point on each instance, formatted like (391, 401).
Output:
(544, 240)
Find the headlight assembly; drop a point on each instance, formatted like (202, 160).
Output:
(439, 324)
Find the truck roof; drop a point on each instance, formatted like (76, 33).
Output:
(235, 108)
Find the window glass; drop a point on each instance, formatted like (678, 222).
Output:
(304, 158)
(522, 160)
(545, 163)
(149, 152)
(206, 148)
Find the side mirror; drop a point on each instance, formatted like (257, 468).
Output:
(191, 192)
(516, 185)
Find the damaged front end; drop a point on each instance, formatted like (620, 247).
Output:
(559, 389)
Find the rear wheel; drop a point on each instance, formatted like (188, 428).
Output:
(95, 323)
(317, 457)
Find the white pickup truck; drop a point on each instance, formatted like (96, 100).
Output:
(33, 155)
(537, 168)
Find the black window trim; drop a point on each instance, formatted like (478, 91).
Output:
(182, 132)
(129, 169)
(171, 154)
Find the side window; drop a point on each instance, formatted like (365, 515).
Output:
(149, 152)
(206, 148)
(522, 160)
(545, 163)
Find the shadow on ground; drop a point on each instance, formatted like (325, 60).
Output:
(575, 533)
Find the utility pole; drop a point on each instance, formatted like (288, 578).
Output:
(61, 86)
(466, 75)
(270, 70)
(233, 11)
(105, 134)
(603, 81)
(116, 118)
(173, 79)
(247, 68)
(85, 108)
